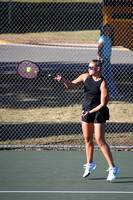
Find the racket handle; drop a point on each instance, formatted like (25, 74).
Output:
(51, 76)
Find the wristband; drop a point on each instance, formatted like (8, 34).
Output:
(88, 112)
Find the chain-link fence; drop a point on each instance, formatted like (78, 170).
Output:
(42, 112)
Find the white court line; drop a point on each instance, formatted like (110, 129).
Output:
(72, 192)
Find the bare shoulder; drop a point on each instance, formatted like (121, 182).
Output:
(104, 87)
(80, 79)
(104, 83)
(85, 76)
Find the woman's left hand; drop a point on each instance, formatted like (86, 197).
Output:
(84, 113)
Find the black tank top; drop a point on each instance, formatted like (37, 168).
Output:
(92, 93)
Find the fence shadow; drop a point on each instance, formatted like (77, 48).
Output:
(41, 130)
(17, 92)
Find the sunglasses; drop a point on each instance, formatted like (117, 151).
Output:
(92, 68)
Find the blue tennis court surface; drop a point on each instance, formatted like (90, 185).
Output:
(53, 175)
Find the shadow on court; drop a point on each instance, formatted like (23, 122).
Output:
(53, 175)
(119, 180)
(122, 180)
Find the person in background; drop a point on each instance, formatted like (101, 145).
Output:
(104, 52)
(94, 115)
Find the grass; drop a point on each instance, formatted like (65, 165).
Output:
(72, 37)
(67, 114)
(37, 37)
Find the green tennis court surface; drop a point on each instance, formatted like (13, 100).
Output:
(54, 175)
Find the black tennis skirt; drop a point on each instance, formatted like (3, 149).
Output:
(98, 117)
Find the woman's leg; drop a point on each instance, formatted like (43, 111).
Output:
(88, 129)
(100, 139)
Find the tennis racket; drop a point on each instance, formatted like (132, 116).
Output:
(30, 70)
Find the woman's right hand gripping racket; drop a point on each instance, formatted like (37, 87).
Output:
(30, 70)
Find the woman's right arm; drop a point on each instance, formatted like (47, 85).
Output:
(74, 83)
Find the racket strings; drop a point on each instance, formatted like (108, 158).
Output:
(28, 69)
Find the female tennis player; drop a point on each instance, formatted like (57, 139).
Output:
(94, 115)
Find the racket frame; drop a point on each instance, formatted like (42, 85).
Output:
(40, 70)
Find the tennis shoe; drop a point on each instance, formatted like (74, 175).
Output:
(89, 168)
(113, 172)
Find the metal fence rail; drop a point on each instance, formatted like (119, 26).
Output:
(43, 113)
